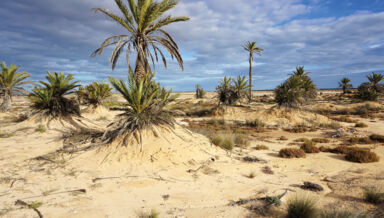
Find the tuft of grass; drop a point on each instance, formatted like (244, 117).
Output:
(241, 141)
(267, 170)
(152, 214)
(361, 156)
(255, 123)
(301, 140)
(261, 147)
(41, 128)
(360, 140)
(251, 175)
(301, 207)
(291, 153)
(345, 119)
(6, 135)
(361, 125)
(309, 147)
(216, 122)
(373, 195)
(225, 142)
(320, 140)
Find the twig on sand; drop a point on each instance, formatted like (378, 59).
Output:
(25, 204)
(203, 165)
(98, 179)
(15, 180)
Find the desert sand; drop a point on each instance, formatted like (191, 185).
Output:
(180, 173)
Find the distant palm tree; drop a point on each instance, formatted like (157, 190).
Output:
(375, 79)
(251, 48)
(10, 84)
(345, 84)
(300, 71)
(142, 19)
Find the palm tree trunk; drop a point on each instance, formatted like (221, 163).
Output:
(139, 70)
(344, 89)
(6, 105)
(250, 79)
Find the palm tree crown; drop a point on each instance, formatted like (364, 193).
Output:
(300, 71)
(251, 47)
(345, 84)
(11, 83)
(375, 79)
(144, 22)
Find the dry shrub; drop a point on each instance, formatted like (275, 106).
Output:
(301, 207)
(360, 140)
(361, 125)
(377, 138)
(320, 140)
(345, 119)
(301, 140)
(309, 147)
(255, 123)
(324, 149)
(267, 170)
(283, 138)
(224, 142)
(261, 147)
(291, 153)
(241, 141)
(373, 195)
(361, 156)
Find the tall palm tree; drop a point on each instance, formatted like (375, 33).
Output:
(11, 83)
(375, 79)
(144, 24)
(345, 84)
(251, 48)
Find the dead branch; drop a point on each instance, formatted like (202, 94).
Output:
(25, 204)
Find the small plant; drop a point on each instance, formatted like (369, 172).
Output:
(152, 214)
(200, 93)
(273, 200)
(251, 175)
(255, 123)
(267, 170)
(361, 156)
(216, 122)
(360, 140)
(241, 141)
(301, 207)
(261, 147)
(309, 147)
(361, 125)
(291, 153)
(41, 128)
(373, 195)
(95, 93)
(320, 140)
(223, 142)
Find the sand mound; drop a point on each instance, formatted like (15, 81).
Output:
(279, 116)
(171, 147)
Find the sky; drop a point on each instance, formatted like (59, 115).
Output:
(331, 38)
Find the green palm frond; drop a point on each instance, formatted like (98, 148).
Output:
(95, 92)
(12, 81)
(300, 71)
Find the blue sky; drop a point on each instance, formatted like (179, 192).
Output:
(332, 39)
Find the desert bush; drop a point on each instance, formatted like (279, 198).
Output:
(301, 207)
(296, 90)
(226, 92)
(49, 96)
(261, 147)
(361, 156)
(200, 93)
(320, 140)
(147, 101)
(360, 140)
(267, 170)
(377, 138)
(152, 214)
(345, 119)
(309, 147)
(367, 92)
(41, 128)
(95, 93)
(373, 195)
(216, 122)
(255, 123)
(241, 141)
(291, 153)
(298, 128)
(301, 140)
(361, 125)
(333, 213)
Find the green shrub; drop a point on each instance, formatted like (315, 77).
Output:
(94, 93)
(291, 153)
(367, 92)
(361, 156)
(261, 147)
(373, 195)
(301, 207)
(41, 128)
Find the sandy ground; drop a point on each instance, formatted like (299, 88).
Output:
(122, 182)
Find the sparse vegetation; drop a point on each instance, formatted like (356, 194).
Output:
(377, 138)
(320, 140)
(309, 147)
(95, 93)
(291, 153)
(251, 175)
(301, 207)
(200, 93)
(361, 156)
(261, 147)
(241, 141)
(225, 142)
(361, 125)
(41, 128)
(152, 214)
(255, 123)
(373, 195)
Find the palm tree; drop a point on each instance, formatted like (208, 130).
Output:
(10, 84)
(375, 79)
(240, 85)
(49, 96)
(300, 71)
(144, 24)
(345, 84)
(251, 48)
(96, 92)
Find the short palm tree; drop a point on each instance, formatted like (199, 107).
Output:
(145, 33)
(48, 97)
(96, 92)
(240, 85)
(375, 79)
(252, 48)
(300, 71)
(345, 84)
(146, 101)
(11, 83)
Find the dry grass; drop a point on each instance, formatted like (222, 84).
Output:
(361, 125)
(373, 195)
(225, 142)
(301, 207)
(361, 156)
(291, 153)
(320, 140)
(261, 147)
(309, 147)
